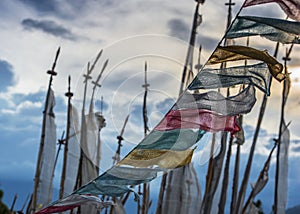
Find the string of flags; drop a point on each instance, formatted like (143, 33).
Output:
(172, 142)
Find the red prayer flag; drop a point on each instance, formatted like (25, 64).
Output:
(198, 119)
(73, 201)
(290, 7)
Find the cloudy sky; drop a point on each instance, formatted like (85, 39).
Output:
(130, 33)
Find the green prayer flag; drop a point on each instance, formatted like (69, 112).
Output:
(178, 139)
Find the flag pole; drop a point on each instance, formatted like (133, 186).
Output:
(120, 138)
(13, 203)
(69, 95)
(79, 174)
(225, 182)
(116, 159)
(242, 191)
(239, 141)
(187, 70)
(146, 187)
(101, 124)
(42, 140)
(83, 136)
(100, 118)
(285, 92)
(213, 172)
(188, 66)
(261, 181)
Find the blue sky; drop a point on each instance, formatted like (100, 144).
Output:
(130, 33)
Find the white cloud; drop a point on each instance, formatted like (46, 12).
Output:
(27, 105)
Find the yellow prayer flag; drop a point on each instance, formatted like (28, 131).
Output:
(235, 53)
(166, 159)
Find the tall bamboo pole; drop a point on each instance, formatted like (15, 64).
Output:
(83, 136)
(99, 116)
(214, 173)
(43, 134)
(242, 191)
(239, 141)
(225, 182)
(188, 66)
(101, 125)
(187, 69)
(285, 90)
(120, 138)
(116, 159)
(69, 95)
(146, 187)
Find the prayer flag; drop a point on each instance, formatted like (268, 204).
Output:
(198, 119)
(283, 169)
(261, 182)
(178, 139)
(73, 153)
(165, 159)
(241, 103)
(236, 53)
(290, 7)
(73, 201)
(113, 190)
(116, 180)
(131, 173)
(277, 30)
(45, 186)
(257, 75)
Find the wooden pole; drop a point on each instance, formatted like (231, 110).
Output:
(225, 182)
(42, 140)
(69, 95)
(242, 191)
(120, 138)
(283, 102)
(188, 66)
(146, 195)
(13, 203)
(87, 77)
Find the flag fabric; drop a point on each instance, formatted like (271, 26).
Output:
(116, 180)
(73, 153)
(88, 143)
(45, 188)
(92, 139)
(257, 75)
(183, 192)
(118, 207)
(241, 103)
(283, 170)
(213, 179)
(130, 173)
(261, 182)
(283, 155)
(88, 171)
(273, 29)
(290, 7)
(165, 159)
(236, 53)
(177, 139)
(73, 201)
(109, 190)
(198, 119)
(239, 137)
